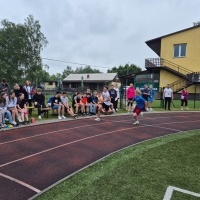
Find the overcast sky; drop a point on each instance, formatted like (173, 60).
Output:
(103, 33)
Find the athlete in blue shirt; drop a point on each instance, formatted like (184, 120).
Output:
(141, 104)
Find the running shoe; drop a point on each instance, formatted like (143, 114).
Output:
(136, 123)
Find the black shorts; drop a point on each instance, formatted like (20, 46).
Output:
(106, 107)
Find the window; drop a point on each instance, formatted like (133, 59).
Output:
(179, 50)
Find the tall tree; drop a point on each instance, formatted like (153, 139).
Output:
(20, 48)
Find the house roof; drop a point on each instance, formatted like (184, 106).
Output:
(155, 44)
(97, 77)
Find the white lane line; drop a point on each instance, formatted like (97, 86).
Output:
(171, 129)
(20, 182)
(170, 190)
(51, 132)
(88, 138)
(47, 150)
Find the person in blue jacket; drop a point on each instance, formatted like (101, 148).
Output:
(151, 97)
(141, 104)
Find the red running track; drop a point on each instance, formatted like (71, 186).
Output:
(35, 157)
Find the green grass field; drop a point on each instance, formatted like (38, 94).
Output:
(140, 172)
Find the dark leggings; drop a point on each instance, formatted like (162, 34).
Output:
(184, 101)
(168, 101)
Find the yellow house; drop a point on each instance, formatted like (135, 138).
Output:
(179, 60)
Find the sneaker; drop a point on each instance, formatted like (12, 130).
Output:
(39, 117)
(151, 109)
(25, 123)
(14, 123)
(19, 119)
(59, 117)
(10, 126)
(136, 123)
(97, 119)
(63, 117)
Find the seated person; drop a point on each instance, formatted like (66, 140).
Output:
(105, 103)
(21, 107)
(91, 105)
(39, 102)
(78, 105)
(57, 104)
(95, 101)
(4, 110)
(85, 104)
(11, 102)
(65, 100)
(19, 89)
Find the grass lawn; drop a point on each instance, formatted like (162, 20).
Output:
(140, 172)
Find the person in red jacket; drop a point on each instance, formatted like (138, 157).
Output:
(130, 94)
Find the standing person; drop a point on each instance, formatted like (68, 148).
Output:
(145, 93)
(19, 89)
(70, 87)
(117, 97)
(184, 96)
(141, 104)
(151, 97)
(4, 87)
(30, 91)
(168, 96)
(130, 94)
(113, 95)
(106, 103)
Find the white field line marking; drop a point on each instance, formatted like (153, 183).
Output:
(47, 150)
(170, 190)
(51, 132)
(20, 182)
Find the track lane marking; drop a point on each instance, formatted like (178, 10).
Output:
(151, 125)
(47, 150)
(51, 132)
(20, 182)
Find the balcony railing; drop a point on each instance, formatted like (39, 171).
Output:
(161, 62)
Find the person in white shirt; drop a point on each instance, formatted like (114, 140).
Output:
(105, 104)
(65, 102)
(168, 96)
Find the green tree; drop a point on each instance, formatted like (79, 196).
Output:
(86, 70)
(124, 70)
(67, 72)
(20, 48)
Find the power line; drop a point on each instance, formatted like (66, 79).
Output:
(74, 63)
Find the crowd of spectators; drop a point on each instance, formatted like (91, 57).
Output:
(17, 103)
